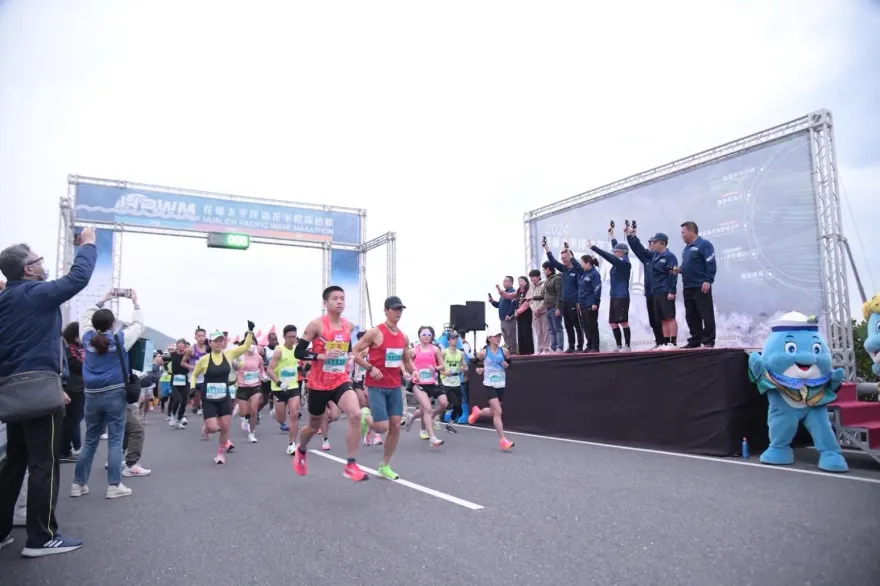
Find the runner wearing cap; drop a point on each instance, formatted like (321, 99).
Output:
(618, 310)
(495, 362)
(330, 337)
(387, 350)
(216, 369)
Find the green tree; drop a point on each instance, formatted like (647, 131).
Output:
(863, 361)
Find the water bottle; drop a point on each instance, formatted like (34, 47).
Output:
(745, 449)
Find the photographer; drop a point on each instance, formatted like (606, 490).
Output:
(571, 272)
(31, 354)
(105, 388)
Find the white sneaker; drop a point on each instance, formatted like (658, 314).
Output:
(183, 421)
(291, 449)
(199, 412)
(325, 445)
(408, 419)
(245, 426)
(118, 491)
(136, 470)
(104, 436)
(172, 422)
(179, 425)
(75, 452)
(78, 490)
(252, 438)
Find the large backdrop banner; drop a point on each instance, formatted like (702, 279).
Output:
(145, 207)
(102, 278)
(758, 209)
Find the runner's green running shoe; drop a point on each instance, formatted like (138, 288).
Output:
(365, 412)
(386, 472)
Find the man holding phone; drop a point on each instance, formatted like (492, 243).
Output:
(30, 344)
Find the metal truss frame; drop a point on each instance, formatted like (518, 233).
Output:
(389, 240)
(67, 222)
(819, 125)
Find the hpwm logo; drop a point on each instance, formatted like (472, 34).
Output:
(140, 205)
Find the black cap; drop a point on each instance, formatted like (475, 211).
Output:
(394, 302)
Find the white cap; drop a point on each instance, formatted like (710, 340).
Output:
(794, 320)
(492, 332)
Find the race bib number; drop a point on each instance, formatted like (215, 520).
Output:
(426, 375)
(251, 377)
(496, 378)
(288, 375)
(336, 365)
(393, 357)
(179, 380)
(216, 391)
(201, 379)
(232, 390)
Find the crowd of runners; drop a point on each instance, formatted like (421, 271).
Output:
(359, 378)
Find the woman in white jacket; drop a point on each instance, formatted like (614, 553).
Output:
(106, 405)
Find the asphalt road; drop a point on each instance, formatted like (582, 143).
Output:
(549, 512)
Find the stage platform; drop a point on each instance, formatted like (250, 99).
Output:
(696, 401)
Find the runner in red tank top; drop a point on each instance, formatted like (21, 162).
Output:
(330, 338)
(387, 347)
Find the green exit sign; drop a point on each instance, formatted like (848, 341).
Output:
(228, 240)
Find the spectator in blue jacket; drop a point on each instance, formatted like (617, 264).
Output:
(618, 310)
(506, 305)
(106, 402)
(698, 269)
(589, 297)
(30, 341)
(664, 280)
(571, 272)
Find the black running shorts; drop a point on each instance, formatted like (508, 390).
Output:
(318, 400)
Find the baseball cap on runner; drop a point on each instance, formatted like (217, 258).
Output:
(216, 335)
(492, 332)
(394, 302)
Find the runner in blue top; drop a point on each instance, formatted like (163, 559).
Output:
(496, 361)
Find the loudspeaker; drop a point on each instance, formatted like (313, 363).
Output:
(476, 316)
(458, 316)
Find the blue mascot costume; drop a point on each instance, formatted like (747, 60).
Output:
(872, 337)
(794, 371)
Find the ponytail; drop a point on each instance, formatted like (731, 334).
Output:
(100, 343)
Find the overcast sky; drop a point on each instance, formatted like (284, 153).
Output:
(446, 121)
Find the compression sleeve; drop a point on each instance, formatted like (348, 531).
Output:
(199, 369)
(239, 351)
(301, 352)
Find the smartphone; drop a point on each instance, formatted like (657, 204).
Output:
(77, 232)
(565, 244)
(626, 223)
(612, 224)
(544, 241)
(634, 224)
(122, 293)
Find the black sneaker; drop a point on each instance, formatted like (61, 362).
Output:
(52, 547)
(690, 346)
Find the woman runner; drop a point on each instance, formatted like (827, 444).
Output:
(427, 360)
(495, 361)
(250, 373)
(215, 368)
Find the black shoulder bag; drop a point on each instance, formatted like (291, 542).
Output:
(132, 383)
(29, 395)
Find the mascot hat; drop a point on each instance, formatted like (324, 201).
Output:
(795, 322)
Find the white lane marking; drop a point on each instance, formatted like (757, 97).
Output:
(408, 484)
(679, 455)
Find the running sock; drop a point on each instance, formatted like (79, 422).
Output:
(351, 460)
(616, 332)
(325, 439)
(300, 450)
(675, 340)
(626, 335)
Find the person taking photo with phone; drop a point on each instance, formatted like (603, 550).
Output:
(30, 383)
(571, 272)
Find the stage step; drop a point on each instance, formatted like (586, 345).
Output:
(856, 413)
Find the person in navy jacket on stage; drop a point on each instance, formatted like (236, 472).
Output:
(621, 269)
(698, 269)
(589, 297)
(571, 272)
(664, 280)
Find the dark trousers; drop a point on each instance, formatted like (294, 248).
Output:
(32, 446)
(699, 312)
(73, 416)
(454, 396)
(591, 327)
(180, 396)
(572, 325)
(656, 324)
